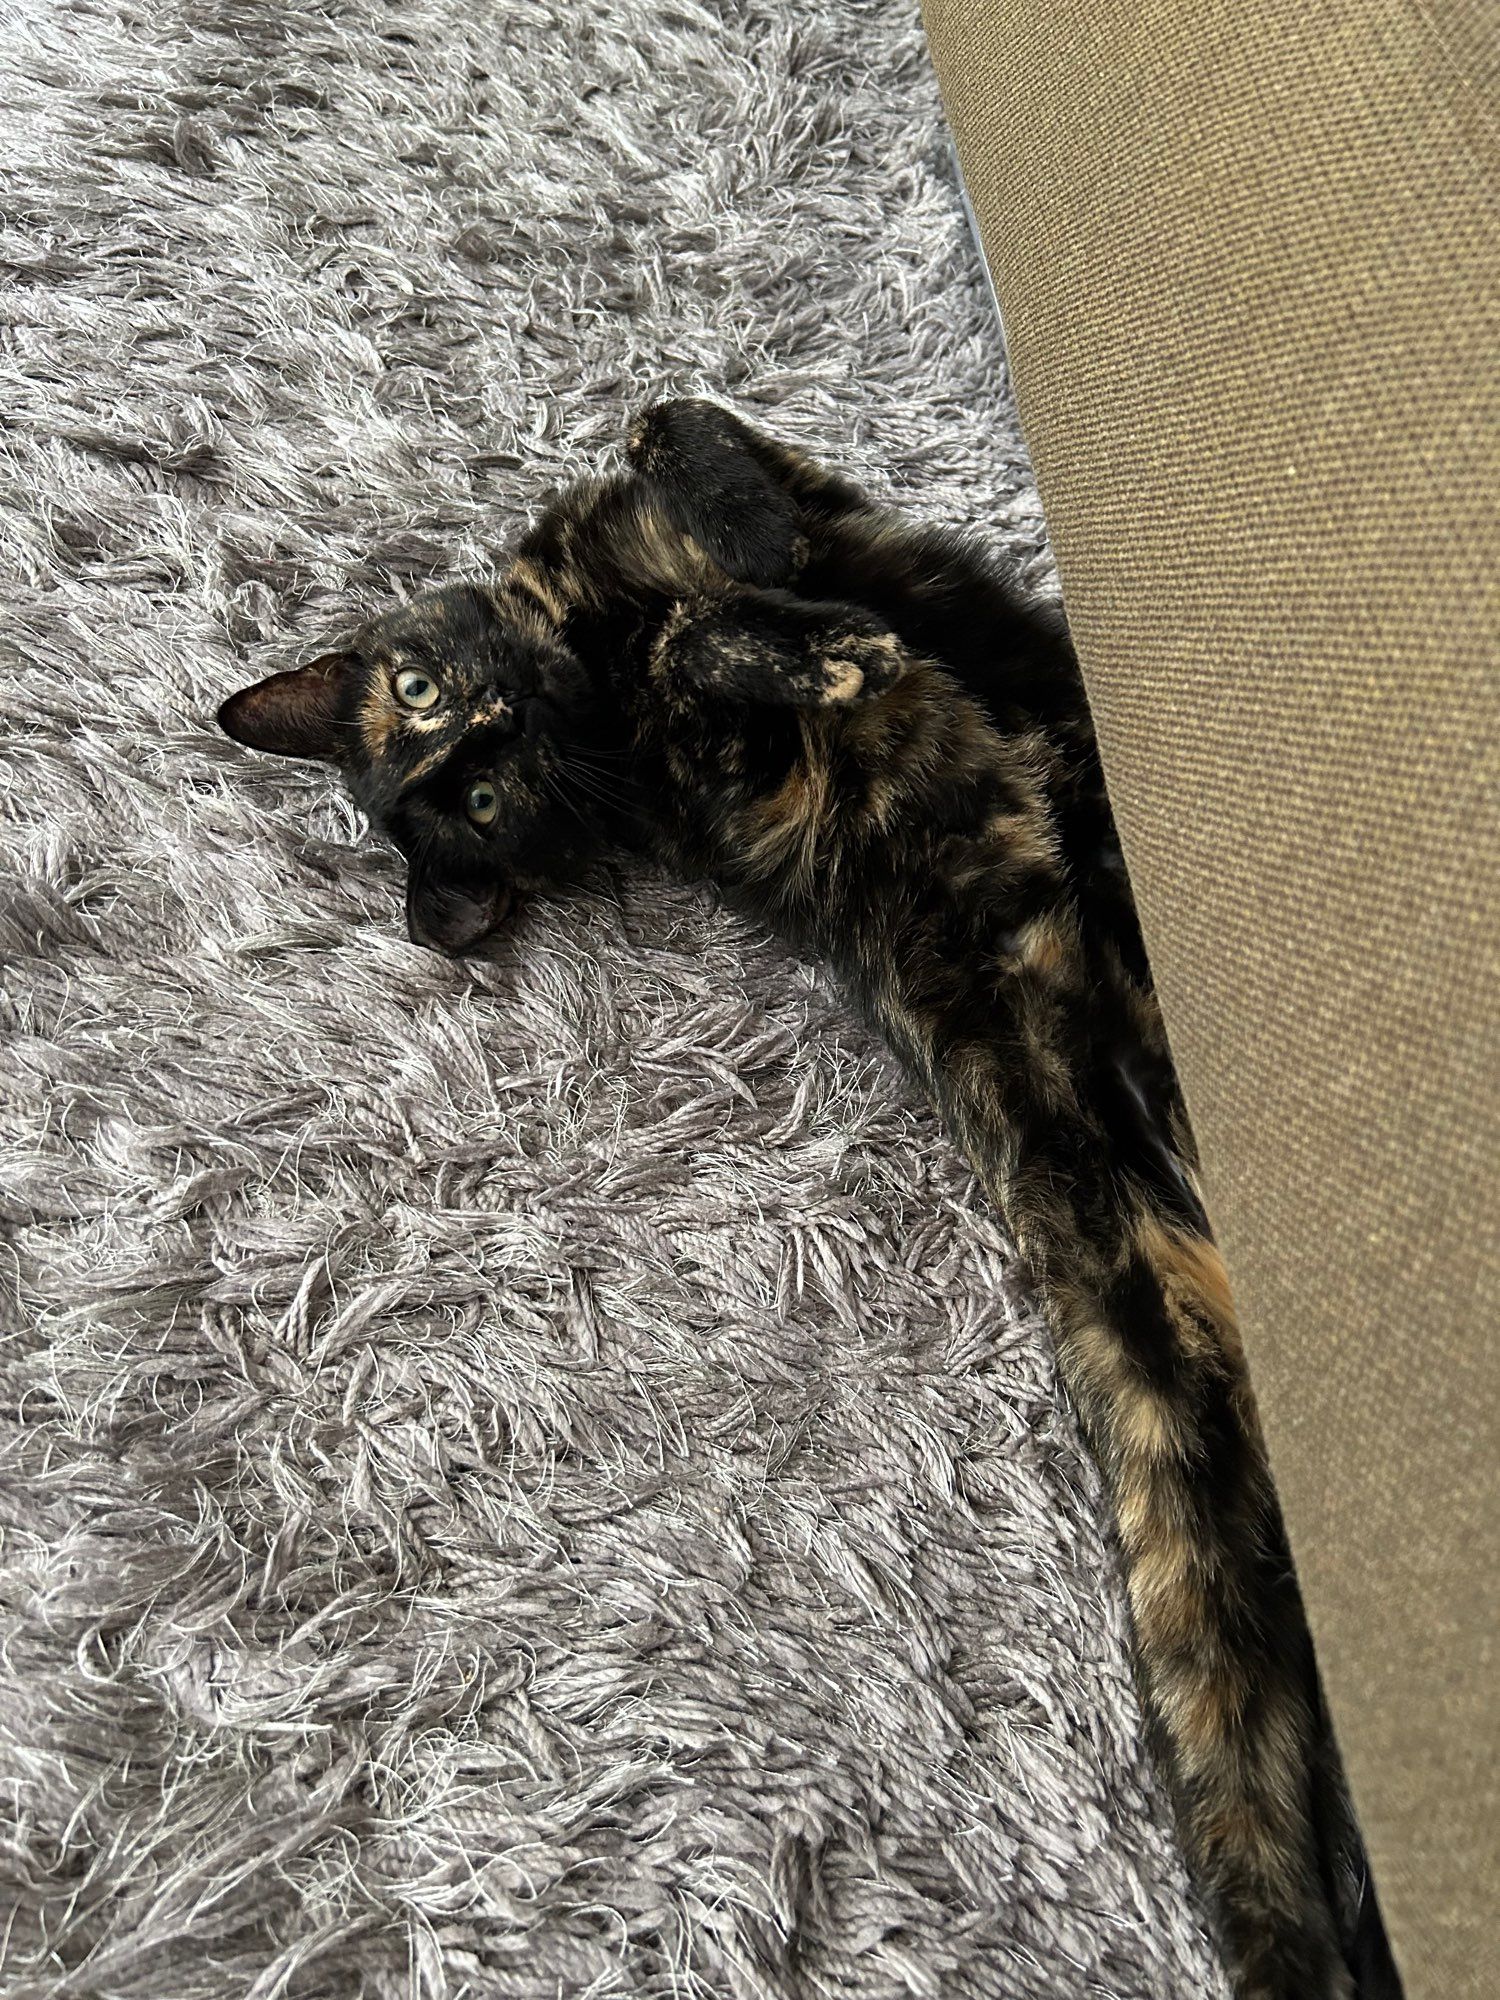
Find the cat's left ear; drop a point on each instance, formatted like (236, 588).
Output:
(292, 715)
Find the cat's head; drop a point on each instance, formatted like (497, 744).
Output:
(457, 721)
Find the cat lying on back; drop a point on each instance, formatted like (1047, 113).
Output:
(730, 659)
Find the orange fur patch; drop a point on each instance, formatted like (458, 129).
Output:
(1194, 1282)
(1025, 838)
(379, 717)
(1044, 948)
(523, 574)
(1165, 1594)
(782, 829)
(842, 680)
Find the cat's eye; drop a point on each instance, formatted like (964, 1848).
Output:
(481, 802)
(417, 689)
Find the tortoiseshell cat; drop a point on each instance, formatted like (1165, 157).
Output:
(730, 659)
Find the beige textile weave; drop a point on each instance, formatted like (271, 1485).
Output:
(1247, 258)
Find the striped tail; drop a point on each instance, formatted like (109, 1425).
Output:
(1151, 1353)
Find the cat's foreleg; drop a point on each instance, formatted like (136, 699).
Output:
(749, 501)
(766, 647)
(766, 513)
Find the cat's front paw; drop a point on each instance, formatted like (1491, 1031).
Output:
(859, 665)
(683, 427)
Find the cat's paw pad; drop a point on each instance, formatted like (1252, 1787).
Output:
(857, 666)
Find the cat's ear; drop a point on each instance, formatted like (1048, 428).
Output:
(452, 917)
(295, 714)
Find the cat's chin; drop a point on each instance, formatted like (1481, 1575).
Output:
(452, 917)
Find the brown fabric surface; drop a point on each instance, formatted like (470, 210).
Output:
(1247, 260)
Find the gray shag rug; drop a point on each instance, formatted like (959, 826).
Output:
(530, 1478)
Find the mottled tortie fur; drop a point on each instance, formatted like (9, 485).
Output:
(728, 658)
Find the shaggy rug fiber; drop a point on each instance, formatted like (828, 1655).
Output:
(526, 1478)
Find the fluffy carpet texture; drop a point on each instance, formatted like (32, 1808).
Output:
(529, 1478)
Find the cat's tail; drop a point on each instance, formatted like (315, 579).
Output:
(1148, 1345)
(1151, 1352)
(1370, 1957)
(1350, 1883)
(1149, 1348)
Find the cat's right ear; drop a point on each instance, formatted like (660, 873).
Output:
(292, 715)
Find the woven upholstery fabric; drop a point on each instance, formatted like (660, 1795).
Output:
(1246, 259)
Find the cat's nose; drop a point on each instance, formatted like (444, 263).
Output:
(493, 710)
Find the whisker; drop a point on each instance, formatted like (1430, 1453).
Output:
(557, 792)
(587, 780)
(594, 785)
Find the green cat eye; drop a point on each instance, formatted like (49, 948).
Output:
(481, 802)
(416, 689)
